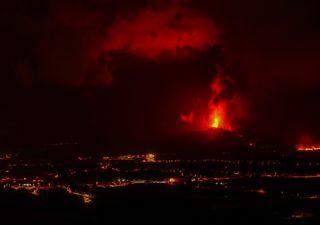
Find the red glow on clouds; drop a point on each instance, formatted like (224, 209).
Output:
(82, 53)
(152, 33)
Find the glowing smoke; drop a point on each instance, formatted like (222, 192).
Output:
(152, 33)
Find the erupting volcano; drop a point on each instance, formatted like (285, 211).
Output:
(220, 108)
(218, 117)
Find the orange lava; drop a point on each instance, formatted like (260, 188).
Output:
(218, 117)
(307, 142)
(302, 147)
(222, 109)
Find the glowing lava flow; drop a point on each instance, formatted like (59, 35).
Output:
(302, 147)
(307, 143)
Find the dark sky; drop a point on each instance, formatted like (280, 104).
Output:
(102, 70)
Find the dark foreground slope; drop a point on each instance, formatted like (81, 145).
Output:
(156, 204)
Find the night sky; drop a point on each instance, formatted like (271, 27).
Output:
(116, 70)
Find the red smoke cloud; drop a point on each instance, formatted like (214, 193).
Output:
(188, 118)
(79, 42)
(152, 33)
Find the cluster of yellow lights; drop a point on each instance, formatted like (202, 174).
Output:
(150, 157)
(308, 148)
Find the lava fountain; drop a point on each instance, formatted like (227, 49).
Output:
(218, 105)
(221, 108)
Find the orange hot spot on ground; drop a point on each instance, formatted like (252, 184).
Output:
(302, 147)
(307, 142)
